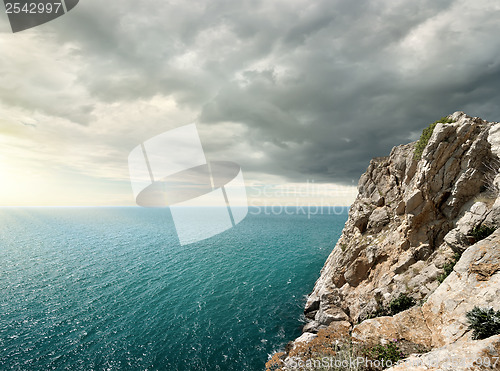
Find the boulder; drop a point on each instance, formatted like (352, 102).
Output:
(357, 271)
(328, 314)
(306, 337)
(456, 240)
(379, 218)
(409, 325)
(475, 281)
(475, 216)
(464, 355)
(312, 327)
(414, 201)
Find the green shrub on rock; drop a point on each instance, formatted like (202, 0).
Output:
(484, 322)
(388, 354)
(480, 232)
(448, 267)
(401, 303)
(426, 135)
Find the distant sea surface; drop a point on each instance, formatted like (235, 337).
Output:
(112, 288)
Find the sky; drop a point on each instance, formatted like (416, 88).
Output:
(298, 93)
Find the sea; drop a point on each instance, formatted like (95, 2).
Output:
(111, 288)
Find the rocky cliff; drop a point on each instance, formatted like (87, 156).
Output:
(415, 216)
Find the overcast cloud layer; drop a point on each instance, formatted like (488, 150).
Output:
(291, 90)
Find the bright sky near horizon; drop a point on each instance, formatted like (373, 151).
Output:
(297, 93)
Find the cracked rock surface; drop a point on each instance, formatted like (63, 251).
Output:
(411, 218)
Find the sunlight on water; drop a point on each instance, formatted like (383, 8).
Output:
(112, 288)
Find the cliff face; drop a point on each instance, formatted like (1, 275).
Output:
(410, 218)
(394, 239)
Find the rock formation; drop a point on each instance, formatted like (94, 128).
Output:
(412, 217)
(440, 323)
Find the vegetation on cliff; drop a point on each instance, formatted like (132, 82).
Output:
(484, 322)
(448, 267)
(397, 305)
(426, 135)
(330, 350)
(480, 232)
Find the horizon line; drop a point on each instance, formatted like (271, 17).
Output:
(162, 207)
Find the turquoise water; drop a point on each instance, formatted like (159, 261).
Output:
(111, 288)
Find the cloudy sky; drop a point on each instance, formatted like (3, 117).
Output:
(294, 91)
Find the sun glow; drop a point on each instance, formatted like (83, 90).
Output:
(7, 181)
(22, 183)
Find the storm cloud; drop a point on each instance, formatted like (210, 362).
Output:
(292, 89)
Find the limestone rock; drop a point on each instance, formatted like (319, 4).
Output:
(357, 271)
(328, 314)
(475, 216)
(414, 201)
(408, 220)
(424, 201)
(377, 198)
(379, 217)
(460, 356)
(312, 327)
(456, 240)
(400, 209)
(441, 320)
(493, 218)
(305, 337)
(474, 282)
(409, 325)
(404, 261)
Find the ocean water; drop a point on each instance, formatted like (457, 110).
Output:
(112, 288)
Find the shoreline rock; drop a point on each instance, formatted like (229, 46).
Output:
(408, 221)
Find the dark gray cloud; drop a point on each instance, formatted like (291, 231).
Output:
(319, 87)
